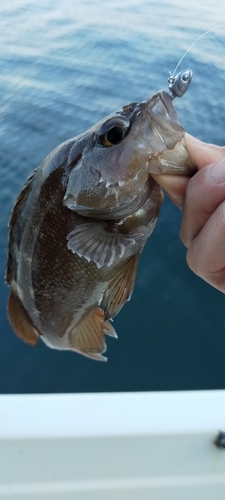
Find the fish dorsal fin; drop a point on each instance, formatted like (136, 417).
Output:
(120, 288)
(21, 321)
(96, 242)
(22, 198)
(88, 337)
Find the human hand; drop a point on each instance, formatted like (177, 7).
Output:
(202, 199)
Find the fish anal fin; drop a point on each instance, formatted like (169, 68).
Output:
(88, 337)
(120, 288)
(21, 321)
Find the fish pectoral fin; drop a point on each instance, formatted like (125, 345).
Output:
(120, 288)
(95, 242)
(21, 321)
(88, 337)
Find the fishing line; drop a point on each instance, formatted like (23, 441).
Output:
(172, 75)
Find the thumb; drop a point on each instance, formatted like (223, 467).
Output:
(202, 153)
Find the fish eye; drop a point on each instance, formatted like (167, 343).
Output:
(113, 131)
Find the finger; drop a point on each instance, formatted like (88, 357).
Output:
(202, 153)
(174, 186)
(204, 193)
(206, 253)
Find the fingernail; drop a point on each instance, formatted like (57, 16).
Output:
(217, 171)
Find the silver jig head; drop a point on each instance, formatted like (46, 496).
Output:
(178, 84)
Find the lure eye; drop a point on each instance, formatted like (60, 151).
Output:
(113, 131)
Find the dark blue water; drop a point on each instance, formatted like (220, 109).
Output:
(64, 65)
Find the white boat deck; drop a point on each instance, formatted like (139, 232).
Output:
(126, 446)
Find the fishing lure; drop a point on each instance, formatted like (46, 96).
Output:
(179, 83)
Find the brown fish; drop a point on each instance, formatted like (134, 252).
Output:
(81, 221)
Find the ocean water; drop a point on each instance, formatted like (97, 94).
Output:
(65, 65)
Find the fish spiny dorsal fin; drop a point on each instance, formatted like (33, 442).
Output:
(21, 200)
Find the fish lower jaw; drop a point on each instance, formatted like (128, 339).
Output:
(172, 161)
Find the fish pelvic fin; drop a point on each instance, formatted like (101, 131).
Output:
(96, 242)
(88, 337)
(120, 288)
(21, 321)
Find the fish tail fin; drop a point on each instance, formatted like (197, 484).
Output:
(88, 337)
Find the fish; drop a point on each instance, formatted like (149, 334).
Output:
(82, 219)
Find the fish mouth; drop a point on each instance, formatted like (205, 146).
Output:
(168, 153)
